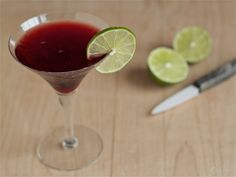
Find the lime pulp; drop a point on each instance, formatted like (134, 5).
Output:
(167, 66)
(117, 43)
(193, 43)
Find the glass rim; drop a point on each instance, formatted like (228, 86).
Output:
(10, 39)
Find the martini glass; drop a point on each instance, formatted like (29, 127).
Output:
(69, 147)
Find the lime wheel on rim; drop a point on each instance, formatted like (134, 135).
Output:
(117, 43)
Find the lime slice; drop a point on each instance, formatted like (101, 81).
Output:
(119, 43)
(193, 43)
(167, 66)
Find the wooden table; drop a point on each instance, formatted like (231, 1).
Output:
(195, 139)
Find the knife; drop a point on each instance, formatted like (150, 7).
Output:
(212, 79)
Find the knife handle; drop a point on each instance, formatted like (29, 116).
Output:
(217, 76)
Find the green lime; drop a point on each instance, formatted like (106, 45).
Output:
(119, 43)
(167, 66)
(193, 43)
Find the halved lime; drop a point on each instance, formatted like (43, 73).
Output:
(193, 43)
(167, 66)
(119, 43)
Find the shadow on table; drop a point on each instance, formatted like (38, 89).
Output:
(140, 77)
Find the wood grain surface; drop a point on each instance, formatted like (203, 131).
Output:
(195, 139)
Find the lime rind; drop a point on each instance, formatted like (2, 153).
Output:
(118, 42)
(167, 66)
(193, 43)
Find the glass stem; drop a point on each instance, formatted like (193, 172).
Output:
(66, 102)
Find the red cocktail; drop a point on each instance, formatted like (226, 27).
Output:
(54, 46)
(57, 47)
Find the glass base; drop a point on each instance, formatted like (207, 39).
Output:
(52, 153)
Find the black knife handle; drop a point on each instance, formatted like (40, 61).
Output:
(217, 76)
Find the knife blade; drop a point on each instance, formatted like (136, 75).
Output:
(206, 82)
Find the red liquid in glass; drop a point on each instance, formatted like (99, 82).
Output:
(57, 47)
